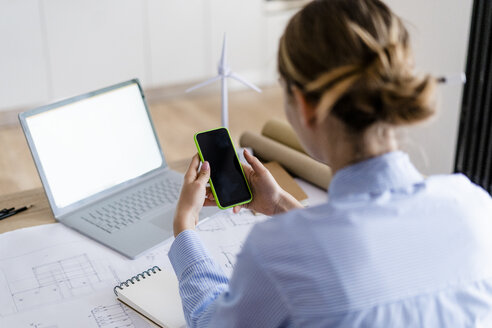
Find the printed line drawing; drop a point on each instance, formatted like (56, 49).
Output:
(56, 281)
(117, 316)
(212, 224)
(40, 325)
(243, 218)
(156, 255)
(228, 220)
(229, 254)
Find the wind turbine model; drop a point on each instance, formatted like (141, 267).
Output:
(224, 73)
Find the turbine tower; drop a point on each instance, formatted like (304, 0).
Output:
(224, 72)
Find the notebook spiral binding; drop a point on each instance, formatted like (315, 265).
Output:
(136, 278)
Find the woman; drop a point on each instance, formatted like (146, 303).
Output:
(390, 248)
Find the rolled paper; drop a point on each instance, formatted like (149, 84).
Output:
(282, 132)
(297, 163)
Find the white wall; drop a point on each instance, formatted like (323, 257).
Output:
(23, 61)
(179, 41)
(53, 49)
(439, 30)
(93, 43)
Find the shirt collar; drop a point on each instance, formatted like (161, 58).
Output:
(389, 171)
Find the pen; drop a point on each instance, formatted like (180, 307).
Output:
(453, 79)
(6, 210)
(13, 212)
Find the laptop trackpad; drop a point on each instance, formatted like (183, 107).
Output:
(165, 219)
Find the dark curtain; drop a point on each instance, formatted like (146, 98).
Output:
(474, 149)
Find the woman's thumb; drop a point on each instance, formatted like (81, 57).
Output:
(204, 174)
(254, 162)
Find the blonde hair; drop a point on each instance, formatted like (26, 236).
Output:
(352, 59)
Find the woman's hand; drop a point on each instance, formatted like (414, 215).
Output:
(268, 197)
(192, 196)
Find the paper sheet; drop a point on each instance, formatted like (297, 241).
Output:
(54, 277)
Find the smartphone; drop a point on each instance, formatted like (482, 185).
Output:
(227, 179)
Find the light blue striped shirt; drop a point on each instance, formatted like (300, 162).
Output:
(388, 249)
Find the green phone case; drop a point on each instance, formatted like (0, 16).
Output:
(210, 180)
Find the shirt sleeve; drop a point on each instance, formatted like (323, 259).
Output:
(250, 298)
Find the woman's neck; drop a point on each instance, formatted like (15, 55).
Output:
(350, 149)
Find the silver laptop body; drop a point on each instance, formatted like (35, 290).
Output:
(103, 169)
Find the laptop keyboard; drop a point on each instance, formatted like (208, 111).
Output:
(129, 209)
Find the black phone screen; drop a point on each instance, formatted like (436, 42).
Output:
(225, 171)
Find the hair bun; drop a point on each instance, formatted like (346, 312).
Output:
(387, 89)
(352, 58)
(407, 100)
(391, 94)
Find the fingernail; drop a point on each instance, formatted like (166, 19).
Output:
(205, 166)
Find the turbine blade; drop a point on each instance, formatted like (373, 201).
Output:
(243, 81)
(223, 57)
(200, 85)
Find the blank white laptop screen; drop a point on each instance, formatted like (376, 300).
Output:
(95, 143)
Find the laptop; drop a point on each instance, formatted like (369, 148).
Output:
(103, 169)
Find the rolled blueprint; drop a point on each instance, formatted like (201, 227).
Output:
(292, 160)
(282, 132)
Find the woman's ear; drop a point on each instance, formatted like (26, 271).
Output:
(306, 110)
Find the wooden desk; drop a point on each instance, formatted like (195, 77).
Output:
(41, 213)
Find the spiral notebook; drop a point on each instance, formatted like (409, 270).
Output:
(154, 294)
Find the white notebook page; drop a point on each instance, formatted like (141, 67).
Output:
(156, 297)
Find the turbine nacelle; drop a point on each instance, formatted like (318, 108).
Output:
(224, 72)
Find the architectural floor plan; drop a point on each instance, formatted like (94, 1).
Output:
(54, 277)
